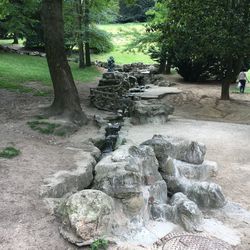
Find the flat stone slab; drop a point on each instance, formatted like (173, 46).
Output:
(156, 92)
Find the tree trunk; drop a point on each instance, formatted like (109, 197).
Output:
(87, 23)
(162, 67)
(225, 90)
(168, 68)
(15, 39)
(66, 99)
(87, 52)
(79, 11)
(81, 55)
(163, 60)
(233, 68)
(226, 82)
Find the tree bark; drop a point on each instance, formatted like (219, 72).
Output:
(87, 23)
(233, 68)
(87, 52)
(79, 11)
(168, 68)
(66, 99)
(81, 55)
(163, 60)
(225, 90)
(162, 68)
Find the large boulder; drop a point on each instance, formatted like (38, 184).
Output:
(203, 171)
(88, 214)
(204, 194)
(68, 181)
(150, 112)
(123, 173)
(184, 150)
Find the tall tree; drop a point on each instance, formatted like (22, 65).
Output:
(87, 33)
(209, 40)
(16, 17)
(66, 99)
(80, 37)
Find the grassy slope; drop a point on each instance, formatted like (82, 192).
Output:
(17, 69)
(120, 40)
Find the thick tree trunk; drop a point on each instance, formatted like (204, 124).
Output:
(81, 55)
(233, 68)
(79, 11)
(66, 99)
(87, 23)
(162, 68)
(168, 68)
(87, 52)
(225, 90)
(163, 60)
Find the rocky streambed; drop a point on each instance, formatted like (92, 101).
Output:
(138, 194)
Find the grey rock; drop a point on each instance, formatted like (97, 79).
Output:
(177, 148)
(108, 82)
(109, 75)
(122, 173)
(204, 194)
(64, 182)
(158, 211)
(203, 171)
(132, 81)
(208, 195)
(134, 205)
(184, 212)
(88, 214)
(145, 111)
(159, 192)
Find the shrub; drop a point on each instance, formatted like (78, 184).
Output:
(99, 244)
(9, 152)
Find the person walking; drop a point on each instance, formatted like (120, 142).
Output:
(242, 80)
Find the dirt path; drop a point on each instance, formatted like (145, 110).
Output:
(24, 221)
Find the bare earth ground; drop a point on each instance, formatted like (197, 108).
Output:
(24, 221)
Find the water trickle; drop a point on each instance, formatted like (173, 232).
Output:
(111, 137)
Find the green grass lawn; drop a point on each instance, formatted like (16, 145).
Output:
(10, 41)
(120, 41)
(16, 70)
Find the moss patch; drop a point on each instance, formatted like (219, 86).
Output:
(9, 152)
(43, 127)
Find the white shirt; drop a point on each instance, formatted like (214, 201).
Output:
(242, 76)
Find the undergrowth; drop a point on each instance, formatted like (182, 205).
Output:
(99, 244)
(9, 152)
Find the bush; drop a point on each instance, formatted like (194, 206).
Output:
(99, 244)
(9, 152)
(100, 41)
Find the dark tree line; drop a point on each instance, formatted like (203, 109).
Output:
(135, 12)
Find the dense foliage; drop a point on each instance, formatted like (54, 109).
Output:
(17, 18)
(134, 11)
(209, 39)
(203, 40)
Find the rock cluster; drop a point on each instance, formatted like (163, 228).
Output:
(150, 111)
(164, 178)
